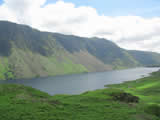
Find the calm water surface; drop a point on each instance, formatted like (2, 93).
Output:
(76, 84)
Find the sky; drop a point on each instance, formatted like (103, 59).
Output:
(145, 8)
(132, 24)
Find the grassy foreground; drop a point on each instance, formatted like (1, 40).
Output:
(18, 102)
(147, 89)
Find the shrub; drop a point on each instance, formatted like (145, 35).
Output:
(125, 97)
(153, 109)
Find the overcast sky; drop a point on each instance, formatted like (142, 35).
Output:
(132, 24)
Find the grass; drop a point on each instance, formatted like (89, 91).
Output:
(18, 102)
(148, 88)
(5, 70)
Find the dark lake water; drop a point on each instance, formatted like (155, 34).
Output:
(76, 84)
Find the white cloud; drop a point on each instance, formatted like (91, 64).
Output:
(132, 32)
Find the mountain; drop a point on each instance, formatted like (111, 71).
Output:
(26, 53)
(146, 58)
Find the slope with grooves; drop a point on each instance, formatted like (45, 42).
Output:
(31, 53)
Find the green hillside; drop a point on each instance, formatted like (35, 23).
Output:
(146, 88)
(119, 102)
(26, 53)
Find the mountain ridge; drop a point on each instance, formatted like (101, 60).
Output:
(26, 52)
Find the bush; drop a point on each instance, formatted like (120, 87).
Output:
(125, 97)
(153, 109)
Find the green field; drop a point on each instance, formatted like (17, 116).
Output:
(118, 102)
(147, 89)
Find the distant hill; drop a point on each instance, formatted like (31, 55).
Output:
(26, 53)
(146, 58)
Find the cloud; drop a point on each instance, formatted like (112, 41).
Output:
(131, 32)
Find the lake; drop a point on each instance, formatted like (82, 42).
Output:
(79, 83)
